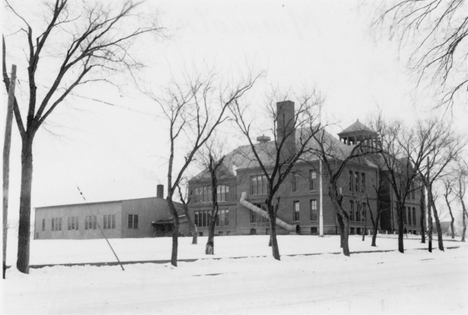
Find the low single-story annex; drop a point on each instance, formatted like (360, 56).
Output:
(143, 217)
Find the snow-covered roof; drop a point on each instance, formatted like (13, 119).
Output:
(243, 157)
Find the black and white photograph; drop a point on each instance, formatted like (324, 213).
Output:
(234, 157)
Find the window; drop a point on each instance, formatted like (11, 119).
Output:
(296, 210)
(412, 191)
(43, 225)
(109, 221)
(356, 179)
(313, 210)
(313, 230)
(351, 211)
(312, 180)
(223, 218)
(414, 216)
(258, 185)
(363, 182)
(222, 192)
(196, 195)
(358, 211)
(73, 223)
(133, 221)
(203, 218)
(90, 222)
(294, 178)
(226, 217)
(351, 181)
(56, 224)
(256, 218)
(207, 197)
(364, 211)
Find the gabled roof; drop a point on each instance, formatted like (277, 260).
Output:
(243, 157)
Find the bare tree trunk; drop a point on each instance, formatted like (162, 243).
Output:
(429, 222)
(375, 229)
(345, 236)
(195, 236)
(401, 246)
(6, 162)
(365, 225)
(24, 229)
(193, 228)
(209, 248)
(452, 219)
(438, 227)
(464, 214)
(175, 231)
(423, 217)
(273, 238)
(375, 223)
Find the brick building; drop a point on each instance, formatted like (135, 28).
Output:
(143, 217)
(305, 206)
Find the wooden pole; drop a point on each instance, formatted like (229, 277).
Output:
(6, 162)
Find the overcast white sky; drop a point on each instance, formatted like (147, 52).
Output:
(118, 152)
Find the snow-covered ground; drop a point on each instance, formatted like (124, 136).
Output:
(416, 282)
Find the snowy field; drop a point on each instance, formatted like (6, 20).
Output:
(309, 279)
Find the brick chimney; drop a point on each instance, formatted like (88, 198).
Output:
(160, 191)
(285, 128)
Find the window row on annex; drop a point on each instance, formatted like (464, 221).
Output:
(132, 218)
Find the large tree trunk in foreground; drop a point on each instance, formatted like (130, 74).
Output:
(24, 228)
(439, 228)
(375, 229)
(401, 246)
(274, 242)
(273, 238)
(452, 219)
(6, 159)
(175, 231)
(423, 218)
(429, 227)
(343, 224)
(209, 249)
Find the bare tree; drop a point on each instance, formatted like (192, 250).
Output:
(442, 146)
(448, 193)
(437, 31)
(381, 206)
(460, 192)
(400, 170)
(83, 43)
(335, 159)
(293, 129)
(214, 164)
(6, 163)
(422, 218)
(194, 110)
(211, 159)
(185, 201)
